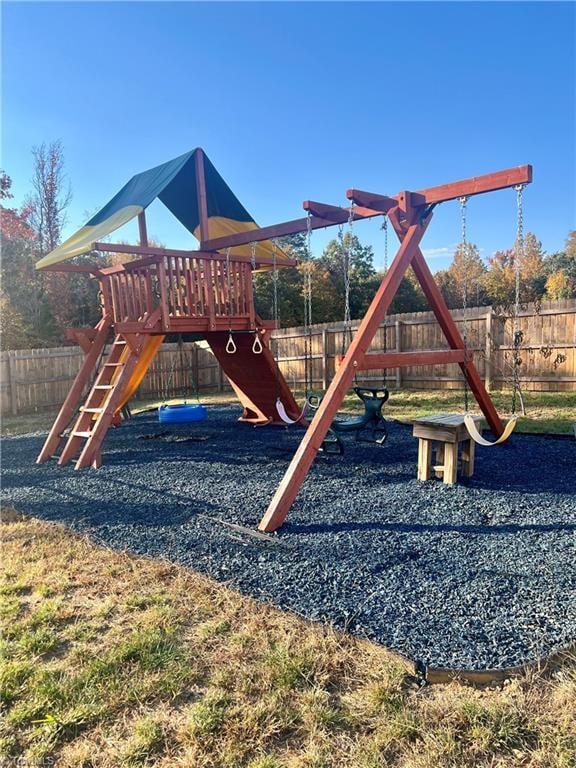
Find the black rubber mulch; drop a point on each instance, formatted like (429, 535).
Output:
(477, 575)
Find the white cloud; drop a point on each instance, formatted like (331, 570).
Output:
(435, 253)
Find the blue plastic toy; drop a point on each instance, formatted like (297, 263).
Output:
(181, 414)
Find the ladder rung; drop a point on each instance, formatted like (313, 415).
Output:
(120, 341)
(82, 434)
(112, 365)
(104, 386)
(92, 410)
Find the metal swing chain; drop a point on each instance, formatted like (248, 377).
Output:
(308, 308)
(385, 230)
(275, 309)
(517, 335)
(230, 344)
(385, 338)
(464, 240)
(257, 348)
(347, 253)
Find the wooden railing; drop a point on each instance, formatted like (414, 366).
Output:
(212, 291)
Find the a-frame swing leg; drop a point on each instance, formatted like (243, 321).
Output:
(316, 432)
(453, 336)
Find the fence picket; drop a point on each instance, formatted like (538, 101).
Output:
(40, 378)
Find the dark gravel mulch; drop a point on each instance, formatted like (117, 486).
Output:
(477, 575)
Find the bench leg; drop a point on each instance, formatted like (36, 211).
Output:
(468, 451)
(424, 459)
(439, 460)
(450, 463)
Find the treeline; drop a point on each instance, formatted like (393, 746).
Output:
(468, 281)
(37, 307)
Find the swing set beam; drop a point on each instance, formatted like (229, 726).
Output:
(410, 214)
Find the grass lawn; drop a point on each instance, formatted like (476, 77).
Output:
(111, 661)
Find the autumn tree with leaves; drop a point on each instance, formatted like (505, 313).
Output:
(23, 316)
(467, 274)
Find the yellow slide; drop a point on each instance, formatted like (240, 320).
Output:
(148, 354)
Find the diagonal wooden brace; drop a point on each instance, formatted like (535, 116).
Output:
(316, 432)
(450, 330)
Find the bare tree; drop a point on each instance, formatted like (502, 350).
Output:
(51, 195)
(47, 205)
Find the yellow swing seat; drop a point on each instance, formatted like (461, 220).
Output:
(477, 437)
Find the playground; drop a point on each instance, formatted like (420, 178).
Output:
(455, 558)
(470, 576)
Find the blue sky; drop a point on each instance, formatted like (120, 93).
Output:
(295, 101)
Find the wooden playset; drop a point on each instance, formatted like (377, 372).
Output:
(209, 292)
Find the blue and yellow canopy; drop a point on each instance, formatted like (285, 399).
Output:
(174, 183)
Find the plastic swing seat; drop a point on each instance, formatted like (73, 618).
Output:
(371, 420)
(477, 437)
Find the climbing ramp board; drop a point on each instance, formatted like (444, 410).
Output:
(255, 378)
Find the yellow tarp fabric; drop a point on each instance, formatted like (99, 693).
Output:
(148, 354)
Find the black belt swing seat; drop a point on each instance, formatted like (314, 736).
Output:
(371, 422)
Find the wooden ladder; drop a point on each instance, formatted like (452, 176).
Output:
(96, 414)
(92, 341)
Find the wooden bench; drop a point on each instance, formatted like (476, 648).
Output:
(448, 431)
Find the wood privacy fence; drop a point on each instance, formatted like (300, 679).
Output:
(40, 378)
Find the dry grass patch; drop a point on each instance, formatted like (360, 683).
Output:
(111, 660)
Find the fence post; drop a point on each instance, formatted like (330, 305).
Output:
(13, 384)
(397, 326)
(324, 359)
(195, 369)
(220, 378)
(488, 352)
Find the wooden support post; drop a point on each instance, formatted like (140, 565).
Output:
(324, 358)
(316, 432)
(201, 193)
(488, 352)
(164, 308)
(424, 459)
(439, 466)
(398, 332)
(13, 384)
(450, 462)
(468, 452)
(142, 231)
(195, 370)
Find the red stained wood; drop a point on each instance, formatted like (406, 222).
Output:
(256, 379)
(142, 231)
(333, 213)
(82, 336)
(152, 255)
(316, 432)
(446, 322)
(277, 230)
(406, 359)
(371, 200)
(93, 269)
(201, 194)
(73, 398)
(477, 185)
